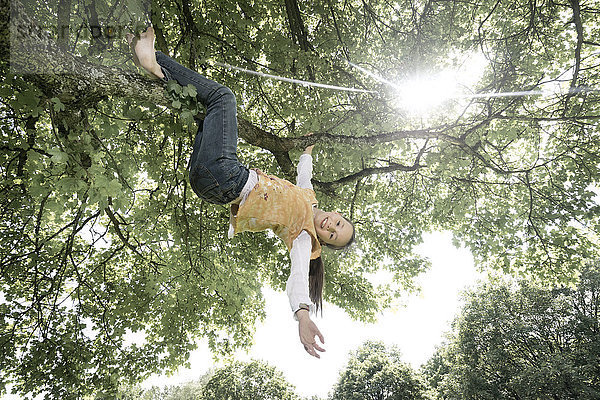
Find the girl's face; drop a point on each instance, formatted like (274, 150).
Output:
(333, 229)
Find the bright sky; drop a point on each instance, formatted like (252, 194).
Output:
(416, 329)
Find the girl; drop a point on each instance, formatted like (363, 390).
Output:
(258, 201)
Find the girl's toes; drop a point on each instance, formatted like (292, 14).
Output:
(149, 32)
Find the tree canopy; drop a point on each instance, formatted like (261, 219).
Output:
(250, 380)
(375, 372)
(253, 380)
(111, 267)
(523, 342)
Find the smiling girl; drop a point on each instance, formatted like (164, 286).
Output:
(258, 201)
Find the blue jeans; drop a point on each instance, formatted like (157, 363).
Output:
(215, 173)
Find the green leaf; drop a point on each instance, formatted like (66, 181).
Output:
(191, 90)
(174, 87)
(58, 156)
(27, 98)
(187, 117)
(114, 188)
(58, 105)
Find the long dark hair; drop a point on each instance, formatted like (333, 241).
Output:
(316, 273)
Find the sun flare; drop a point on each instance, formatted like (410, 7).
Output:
(422, 93)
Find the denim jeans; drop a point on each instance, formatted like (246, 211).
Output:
(215, 173)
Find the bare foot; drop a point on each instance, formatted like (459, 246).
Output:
(132, 40)
(143, 52)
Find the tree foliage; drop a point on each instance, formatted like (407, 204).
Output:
(523, 342)
(101, 237)
(186, 391)
(375, 372)
(253, 380)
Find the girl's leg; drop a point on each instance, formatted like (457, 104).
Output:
(220, 129)
(215, 172)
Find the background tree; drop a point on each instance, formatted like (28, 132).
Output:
(186, 391)
(375, 372)
(523, 342)
(253, 380)
(100, 236)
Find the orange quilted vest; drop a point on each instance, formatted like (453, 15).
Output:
(277, 204)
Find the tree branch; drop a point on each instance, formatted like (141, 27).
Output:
(297, 27)
(579, 29)
(329, 187)
(117, 225)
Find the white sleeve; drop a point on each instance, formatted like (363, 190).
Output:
(304, 172)
(297, 283)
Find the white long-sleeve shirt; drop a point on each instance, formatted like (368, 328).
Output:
(297, 283)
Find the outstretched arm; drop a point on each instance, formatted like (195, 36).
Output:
(297, 291)
(304, 177)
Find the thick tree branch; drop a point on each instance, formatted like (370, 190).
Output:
(579, 30)
(297, 27)
(64, 14)
(275, 143)
(61, 74)
(298, 31)
(53, 73)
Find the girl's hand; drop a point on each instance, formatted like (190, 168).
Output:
(308, 330)
(309, 149)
